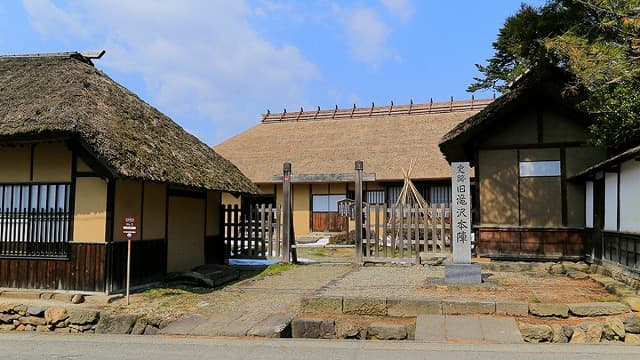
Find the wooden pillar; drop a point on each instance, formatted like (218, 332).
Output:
(286, 213)
(358, 199)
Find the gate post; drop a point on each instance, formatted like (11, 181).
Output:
(286, 212)
(358, 199)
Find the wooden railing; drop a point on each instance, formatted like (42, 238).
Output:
(254, 232)
(405, 232)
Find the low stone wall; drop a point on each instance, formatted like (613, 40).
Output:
(63, 320)
(403, 307)
(612, 330)
(321, 328)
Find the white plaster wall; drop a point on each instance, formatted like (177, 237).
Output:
(588, 205)
(630, 196)
(611, 201)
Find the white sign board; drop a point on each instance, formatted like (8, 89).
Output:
(461, 213)
(539, 168)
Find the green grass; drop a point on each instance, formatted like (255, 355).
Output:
(534, 299)
(276, 269)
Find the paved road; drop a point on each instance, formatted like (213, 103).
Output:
(103, 347)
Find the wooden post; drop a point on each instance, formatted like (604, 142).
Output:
(358, 199)
(286, 217)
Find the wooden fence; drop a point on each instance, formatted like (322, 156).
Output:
(252, 233)
(404, 232)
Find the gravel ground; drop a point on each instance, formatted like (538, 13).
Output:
(420, 282)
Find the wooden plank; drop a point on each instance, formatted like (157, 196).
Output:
(394, 216)
(443, 225)
(417, 214)
(434, 224)
(278, 231)
(377, 230)
(368, 229)
(324, 178)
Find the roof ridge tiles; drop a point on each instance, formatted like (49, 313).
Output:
(377, 111)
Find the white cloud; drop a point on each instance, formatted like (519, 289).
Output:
(401, 9)
(367, 35)
(200, 60)
(50, 20)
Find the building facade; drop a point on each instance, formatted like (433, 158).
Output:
(78, 154)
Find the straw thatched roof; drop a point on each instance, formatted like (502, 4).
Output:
(64, 95)
(542, 87)
(386, 138)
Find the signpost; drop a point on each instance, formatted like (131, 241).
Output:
(129, 229)
(461, 213)
(461, 270)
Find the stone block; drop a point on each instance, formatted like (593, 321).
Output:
(577, 275)
(632, 301)
(347, 329)
(55, 314)
(82, 317)
(312, 328)
(613, 329)
(559, 310)
(8, 318)
(559, 334)
(322, 304)
(413, 307)
(593, 333)
(579, 336)
(364, 306)
(462, 273)
(36, 310)
(63, 297)
(535, 333)
(150, 330)
(632, 324)
(632, 339)
(138, 328)
(42, 328)
(115, 324)
(6, 308)
(32, 320)
(7, 327)
(467, 307)
(102, 299)
(387, 331)
(512, 308)
(274, 326)
(598, 309)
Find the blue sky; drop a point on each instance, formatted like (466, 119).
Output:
(215, 66)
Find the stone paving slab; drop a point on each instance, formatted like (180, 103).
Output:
(470, 329)
(463, 329)
(500, 330)
(430, 328)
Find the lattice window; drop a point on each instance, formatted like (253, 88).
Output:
(35, 220)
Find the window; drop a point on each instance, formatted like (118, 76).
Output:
(375, 196)
(34, 219)
(440, 194)
(539, 168)
(326, 203)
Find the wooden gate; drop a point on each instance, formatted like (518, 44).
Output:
(254, 232)
(402, 232)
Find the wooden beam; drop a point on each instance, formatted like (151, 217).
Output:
(323, 178)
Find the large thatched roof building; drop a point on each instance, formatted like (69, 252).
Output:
(328, 142)
(65, 95)
(78, 154)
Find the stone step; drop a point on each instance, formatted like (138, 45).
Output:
(471, 329)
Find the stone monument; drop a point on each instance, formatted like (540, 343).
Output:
(460, 270)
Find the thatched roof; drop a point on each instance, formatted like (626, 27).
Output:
(386, 138)
(543, 87)
(51, 95)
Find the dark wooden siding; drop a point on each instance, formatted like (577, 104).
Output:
(148, 262)
(523, 243)
(84, 270)
(328, 221)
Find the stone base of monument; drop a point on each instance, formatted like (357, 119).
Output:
(462, 273)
